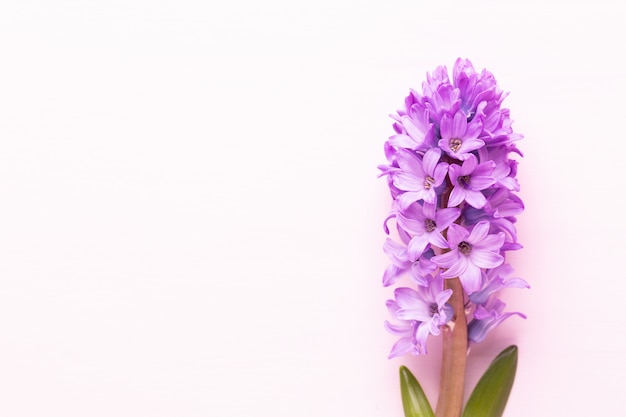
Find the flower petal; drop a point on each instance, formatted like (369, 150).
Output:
(491, 242)
(443, 297)
(410, 225)
(430, 160)
(459, 125)
(485, 258)
(406, 199)
(479, 232)
(409, 161)
(475, 199)
(457, 196)
(481, 182)
(405, 297)
(471, 278)
(447, 259)
(458, 268)
(392, 275)
(469, 145)
(421, 312)
(474, 128)
(456, 234)
(414, 130)
(445, 128)
(401, 347)
(436, 238)
(417, 245)
(429, 211)
(469, 165)
(445, 217)
(403, 141)
(399, 329)
(485, 169)
(440, 173)
(406, 181)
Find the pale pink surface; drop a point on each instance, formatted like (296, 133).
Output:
(189, 203)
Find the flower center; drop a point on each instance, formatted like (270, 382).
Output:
(430, 225)
(464, 180)
(454, 144)
(428, 182)
(465, 248)
(434, 309)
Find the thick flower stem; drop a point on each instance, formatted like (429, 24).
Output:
(454, 356)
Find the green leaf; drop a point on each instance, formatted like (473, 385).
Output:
(492, 390)
(414, 400)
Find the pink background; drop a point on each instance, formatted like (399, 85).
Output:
(191, 223)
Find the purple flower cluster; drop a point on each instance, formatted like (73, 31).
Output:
(454, 205)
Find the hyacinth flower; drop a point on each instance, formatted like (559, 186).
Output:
(470, 253)
(418, 177)
(451, 172)
(422, 312)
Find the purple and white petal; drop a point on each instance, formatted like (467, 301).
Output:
(457, 269)
(479, 232)
(485, 258)
(445, 217)
(471, 278)
(475, 199)
(457, 196)
(446, 260)
(436, 238)
(456, 234)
